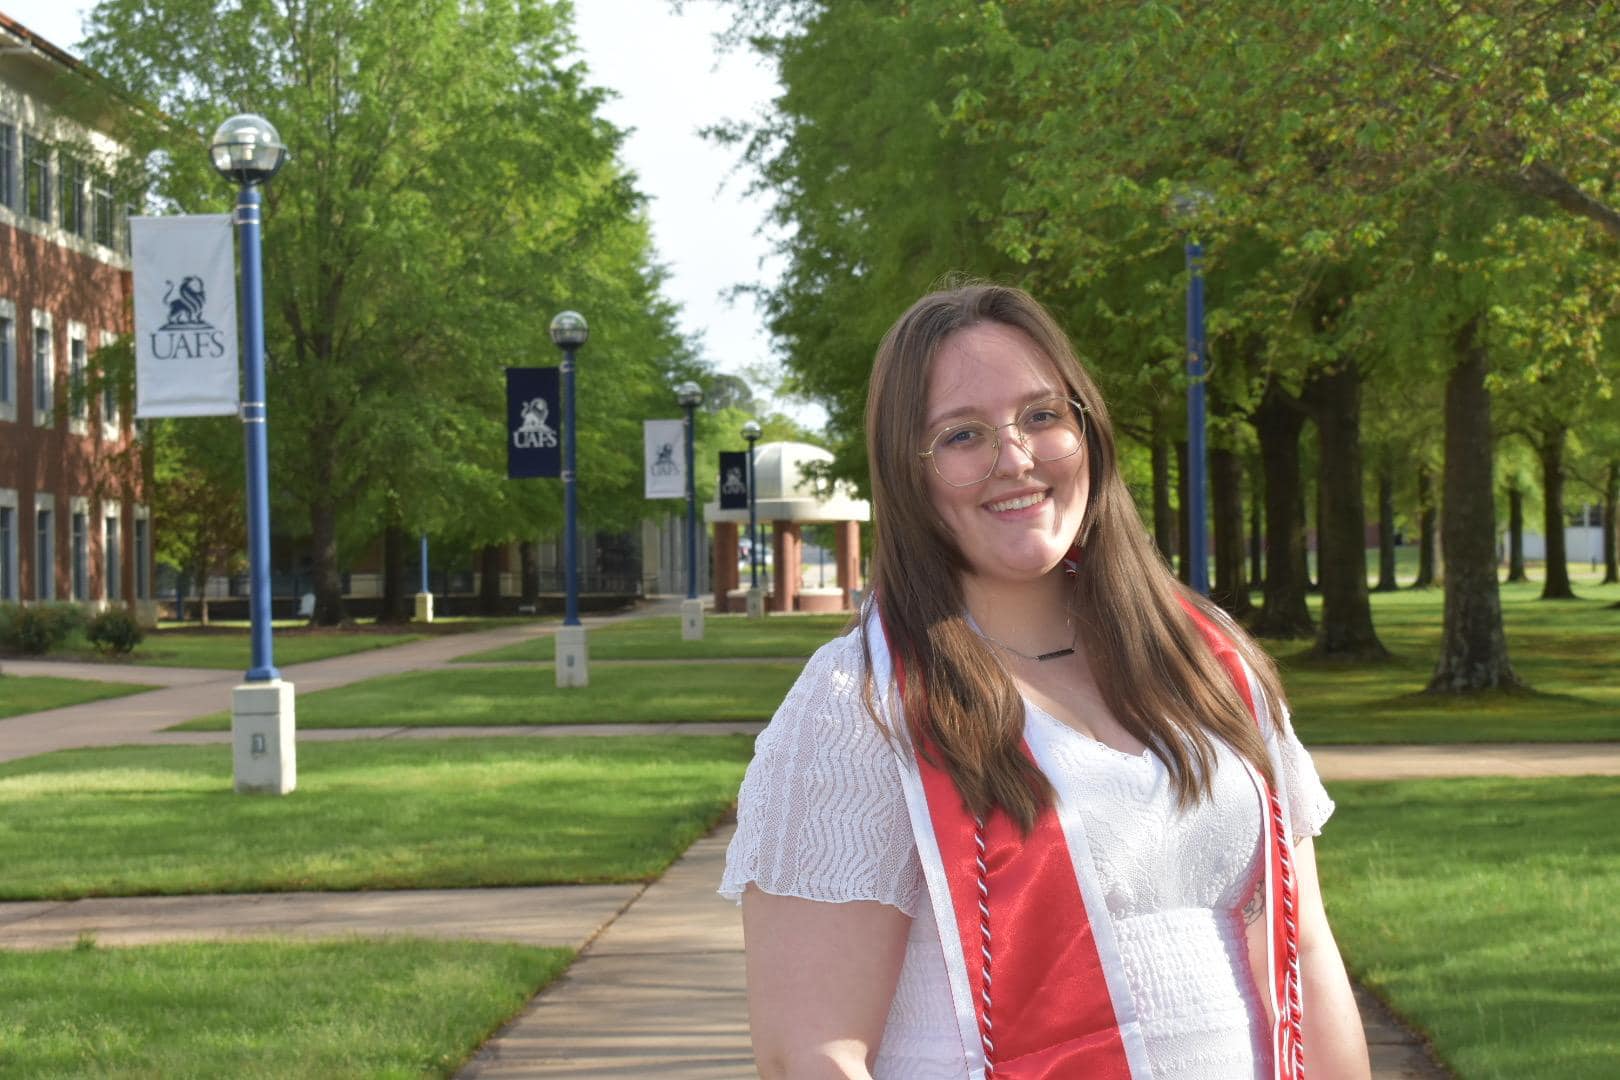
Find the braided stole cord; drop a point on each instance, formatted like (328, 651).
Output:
(985, 1030)
(1294, 1019)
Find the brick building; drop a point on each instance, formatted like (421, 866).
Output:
(74, 525)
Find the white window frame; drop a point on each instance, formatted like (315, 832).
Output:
(42, 321)
(45, 501)
(77, 334)
(112, 420)
(9, 563)
(141, 586)
(79, 504)
(8, 407)
(112, 508)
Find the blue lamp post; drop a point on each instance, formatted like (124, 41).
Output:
(690, 396)
(1188, 206)
(247, 150)
(568, 332)
(1197, 457)
(756, 600)
(424, 595)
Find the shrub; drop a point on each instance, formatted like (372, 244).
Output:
(39, 628)
(8, 616)
(114, 632)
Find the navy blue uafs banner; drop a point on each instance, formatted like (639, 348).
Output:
(533, 422)
(733, 479)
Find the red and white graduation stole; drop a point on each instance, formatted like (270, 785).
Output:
(1037, 984)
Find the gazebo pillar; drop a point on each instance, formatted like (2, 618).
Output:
(847, 551)
(788, 551)
(725, 562)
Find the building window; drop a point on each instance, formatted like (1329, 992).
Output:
(81, 555)
(8, 361)
(143, 558)
(8, 164)
(70, 173)
(103, 211)
(112, 556)
(78, 380)
(44, 375)
(36, 193)
(8, 552)
(44, 555)
(110, 419)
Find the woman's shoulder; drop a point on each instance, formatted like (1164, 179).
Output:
(829, 697)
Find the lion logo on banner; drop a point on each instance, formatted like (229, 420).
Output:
(186, 308)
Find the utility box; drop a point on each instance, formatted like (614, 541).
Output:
(264, 748)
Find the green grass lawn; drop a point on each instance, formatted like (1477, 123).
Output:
(632, 693)
(428, 814)
(1567, 651)
(659, 637)
(261, 1009)
(21, 694)
(1483, 911)
(228, 649)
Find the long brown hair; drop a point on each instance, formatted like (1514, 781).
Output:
(1152, 666)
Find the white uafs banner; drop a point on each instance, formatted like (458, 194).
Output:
(185, 315)
(665, 458)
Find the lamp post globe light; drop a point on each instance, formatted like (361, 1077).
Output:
(568, 332)
(690, 396)
(756, 596)
(247, 151)
(1188, 207)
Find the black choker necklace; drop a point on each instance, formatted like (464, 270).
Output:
(1053, 655)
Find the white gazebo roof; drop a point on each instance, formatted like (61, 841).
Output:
(786, 494)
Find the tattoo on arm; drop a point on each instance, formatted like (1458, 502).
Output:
(1256, 906)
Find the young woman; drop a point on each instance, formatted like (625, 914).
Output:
(1041, 813)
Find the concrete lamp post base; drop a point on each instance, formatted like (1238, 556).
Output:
(264, 753)
(691, 620)
(424, 607)
(573, 659)
(756, 603)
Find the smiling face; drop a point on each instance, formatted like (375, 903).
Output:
(1017, 524)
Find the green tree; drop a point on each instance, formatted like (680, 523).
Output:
(450, 187)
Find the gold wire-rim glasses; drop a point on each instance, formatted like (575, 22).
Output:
(995, 437)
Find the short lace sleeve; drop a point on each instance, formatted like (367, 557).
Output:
(822, 814)
(1309, 805)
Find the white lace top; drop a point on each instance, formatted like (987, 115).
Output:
(822, 816)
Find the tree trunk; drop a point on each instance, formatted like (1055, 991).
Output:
(1550, 451)
(1257, 577)
(1516, 534)
(1473, 648)
(1231, 590)
(1346, 631)
(202, 591)
(529, 567)
(399, 602)
(1278, 422)
(1426, 529)
(1163, 529)
(1386, 528)
(328, 582)
(489, 580)
(1611, 498)
(1183, 526)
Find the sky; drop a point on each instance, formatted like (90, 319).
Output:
(671, 80)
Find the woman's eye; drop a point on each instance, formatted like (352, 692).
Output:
(1042, 418)
(961, 437)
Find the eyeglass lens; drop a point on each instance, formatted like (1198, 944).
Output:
(965, 454)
